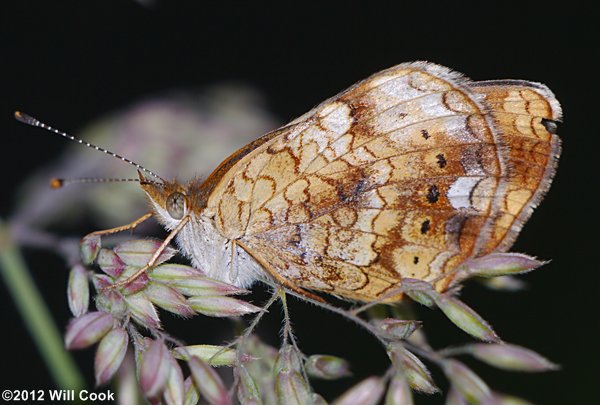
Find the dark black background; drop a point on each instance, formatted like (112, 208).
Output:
(72, 61)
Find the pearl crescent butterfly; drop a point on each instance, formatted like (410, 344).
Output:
(406, 174)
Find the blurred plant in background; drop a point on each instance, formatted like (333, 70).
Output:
(182, 135)
(189, 136)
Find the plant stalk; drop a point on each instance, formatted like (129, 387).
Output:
(35, 314)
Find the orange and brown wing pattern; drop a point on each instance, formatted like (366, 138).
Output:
(395, 177)
(525, 114)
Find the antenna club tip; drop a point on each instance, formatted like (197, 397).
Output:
(56, 183)
(19, 116)
(24, 118)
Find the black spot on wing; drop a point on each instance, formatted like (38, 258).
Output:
(425, 226)
(441, 160)
(433, 194)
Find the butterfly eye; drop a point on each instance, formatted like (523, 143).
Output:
(176, 205)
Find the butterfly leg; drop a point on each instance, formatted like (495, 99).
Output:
(281, 280)
(131, 225)
(154, 257)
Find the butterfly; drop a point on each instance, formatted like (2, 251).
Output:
(406, 174)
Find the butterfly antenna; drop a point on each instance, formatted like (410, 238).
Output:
(29, 120)
(60, 183)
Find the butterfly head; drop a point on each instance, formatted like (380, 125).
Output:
(169, 200)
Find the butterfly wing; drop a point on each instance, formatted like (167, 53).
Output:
(525, 114)
(395, 177)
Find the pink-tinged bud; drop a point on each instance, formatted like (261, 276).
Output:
(128, 389)
(155, 368)
(216, 356)
(208, 382)
(247, 390)
(252, 402)
(316, 399)
(174, 390)
(288, 359)
(192, 397)
(141, 344)
(88, 329)
(113, 303)
(291, 388)
(327, 367)
(101, 281)
(110, 354)
(110, 263)
(143, 311)
(511, 357)
(465, 318)
(415, 372)
(78, 290)
(138, 284)
(200, 286)
(192, 282)
(504, 283)
(267, 387)
(221, 306)
(501, 264)
(367, 392)
(169, 299)
(137, 253)
(503, 399)
(90, 246)
(107, 300)
(419, 291)
(396, 329)
(168, 272)
(454, 397)
(472, 388)
(399, 391)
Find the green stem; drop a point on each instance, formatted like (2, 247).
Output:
(35, 314)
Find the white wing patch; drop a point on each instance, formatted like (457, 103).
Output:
(460, 191)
